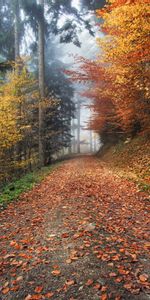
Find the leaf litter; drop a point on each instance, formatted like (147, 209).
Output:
(83, 233)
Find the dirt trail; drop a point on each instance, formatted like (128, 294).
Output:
(81, 234)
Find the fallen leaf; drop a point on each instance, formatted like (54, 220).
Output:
(56, 272)
(128, 286)
(89, 282)
(38, 289)
(5, 291)
(68, 261)
(65, 235)
(19, 278)
(143, 277)
(49, 295)
(112, 274)
(104, 297)
(28, 297)
(97, 286)
(70, 282)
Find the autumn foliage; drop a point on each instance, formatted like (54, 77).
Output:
(119, 77)
(19, 97)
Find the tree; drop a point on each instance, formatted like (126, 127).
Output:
(18, 92)
(16, 10)
(119, 77)
(125, 49)
(41, 63)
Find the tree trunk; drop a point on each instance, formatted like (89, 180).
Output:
(17, 28)
(91, 141)
(74, 138)
(79, 124)
(41, 59)
(16, 12)
(95, 143)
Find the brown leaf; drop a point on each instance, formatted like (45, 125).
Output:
(28, 297)
(104, 288)
(143, 277)
(5, 291)
(128, 286)
(56, 272)
(19, 278)
(68, 261)
(112, 274)
(36, 297)
(65, 235)
(147, 245)
(97, 286)
(12, 243)
(104, 297)
(89, 282)
(49, 295)
(118, 279)
(70, 282)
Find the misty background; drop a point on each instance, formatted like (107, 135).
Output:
(61, 55)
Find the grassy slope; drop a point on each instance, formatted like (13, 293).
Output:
(131, 160)
(13, 190)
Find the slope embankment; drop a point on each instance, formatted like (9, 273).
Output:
(130, 160)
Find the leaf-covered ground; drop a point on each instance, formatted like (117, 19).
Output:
(80, 234)
(122, 159)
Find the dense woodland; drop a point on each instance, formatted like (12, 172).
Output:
(36, 98)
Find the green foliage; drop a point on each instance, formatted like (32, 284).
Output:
(13, 190)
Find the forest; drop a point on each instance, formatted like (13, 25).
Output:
(37, 104)
(74, 149)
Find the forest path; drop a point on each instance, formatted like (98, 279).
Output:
(80, 234)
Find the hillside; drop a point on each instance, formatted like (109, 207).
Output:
(130, 160)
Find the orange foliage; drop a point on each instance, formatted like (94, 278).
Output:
(120, 76)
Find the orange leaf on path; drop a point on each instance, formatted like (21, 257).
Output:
(97, 286)
(38, 289)
(143, 277)
(5, 291)
(49, 295)
(70, 282)
(56, 272)
(104, 297)
(89, 282)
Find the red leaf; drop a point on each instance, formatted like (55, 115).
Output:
(38, 289)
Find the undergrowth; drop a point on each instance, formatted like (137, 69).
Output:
(13, 190)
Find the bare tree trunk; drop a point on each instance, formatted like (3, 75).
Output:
(91, 142)
(79, 124)
(16, 12)
(41, 58)
(74, 138)
(95, 143)
(17, 28)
